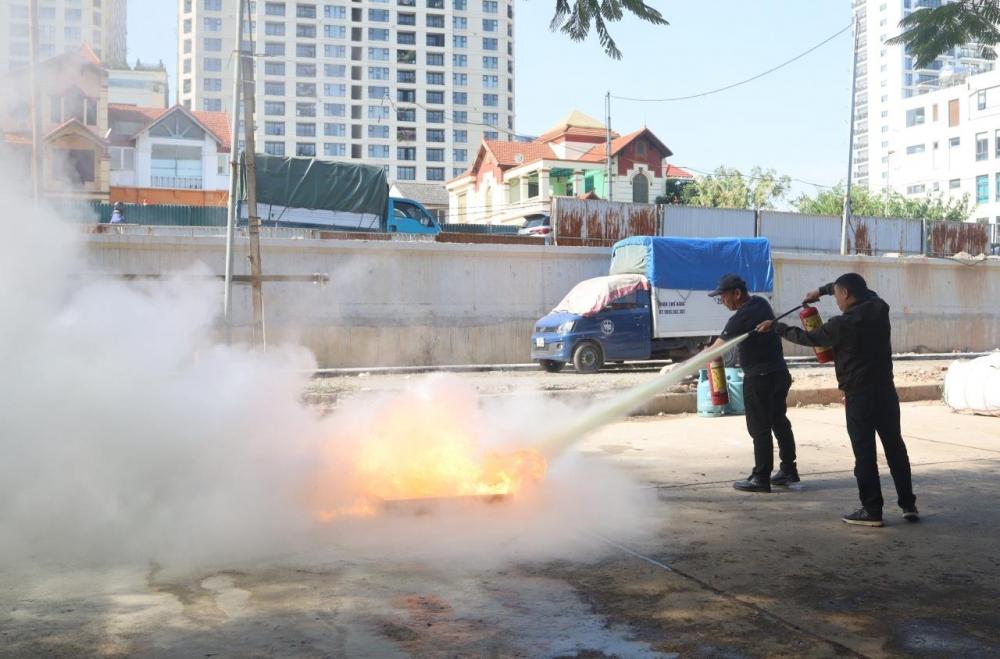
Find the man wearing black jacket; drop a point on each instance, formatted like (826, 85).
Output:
(860, 338)
(765, 386)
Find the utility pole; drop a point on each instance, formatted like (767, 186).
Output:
(234, 172)
(34, 109)
(607, 141)
(846, 219)
(253, 221)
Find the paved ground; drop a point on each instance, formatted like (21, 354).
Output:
(720, 573)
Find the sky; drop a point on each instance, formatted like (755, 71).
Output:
(795, 120)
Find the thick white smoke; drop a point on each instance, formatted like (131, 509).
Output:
(128, 434)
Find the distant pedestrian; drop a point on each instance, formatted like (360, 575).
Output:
(118, 214)
(766, 382)
(861, 341)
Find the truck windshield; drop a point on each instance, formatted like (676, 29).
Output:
(589, 297)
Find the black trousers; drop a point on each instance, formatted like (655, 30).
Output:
(870, 411)
(766, 412)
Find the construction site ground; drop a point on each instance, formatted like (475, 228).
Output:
(720, 574)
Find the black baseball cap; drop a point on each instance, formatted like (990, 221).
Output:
(728, 282)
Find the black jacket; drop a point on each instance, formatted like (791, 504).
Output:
(861, 342)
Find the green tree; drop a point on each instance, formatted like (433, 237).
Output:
(928, 33)
(729, 188)
(674, 192)
(574, 17)
(933, 207)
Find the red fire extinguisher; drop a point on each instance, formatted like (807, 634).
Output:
(717, 382)
(811, 321)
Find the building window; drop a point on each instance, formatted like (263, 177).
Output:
(334, 11)
(305, 150)
(435, 173)
(491, 135)
(460, 79)
(378, 72)
(274, 68)
(459, 98)
(274, 88)
(406, 153)
(212, 84)
(435, 40)
(380, 132)
(212, 24)
(335, 89)
(460, 117)
(460, 5)
(274, 128)
(435, 4)
(274, 108)
(334, 51)
(274, 8)
(378, 150)
(490, 6)
(304, 31)
(914, 117)
(305, 109)
(123, 159)
(175, 166)
(379, 34)
(305, 11)
(406, 56)
(406, 173)
(337, 70)
(404, 134)
(274, 49)
(335, 31)
(915, 148)
(378, 15)
(491, 100)
(406, 38)
(213, 45)
(408, 115)
(954, 184)
(378, 112)
(982, 146)
(435, 78)
(212, 64)
(435, 97)
(491, 62)
(491, 118)
(489, 25)
(982, 189)
(377, 92)
(334, 110)
(378, 54)
(305, 130)
(435, 135)
(640, 189)
(335, 150)
(981, 100)
(435, 155)
(460, 136)
(919, 189)
(491, 82)
(490, 43)
(211, 104)
(334, 130)
(997, 186)
(459, 23)
(406, 19)
(435, 116)
(305, 50)
(406, 95)
(460, 155)
(460, 61)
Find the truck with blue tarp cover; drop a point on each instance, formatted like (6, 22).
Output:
(313, 193)
(653, 304)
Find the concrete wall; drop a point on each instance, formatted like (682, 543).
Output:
(402, 303)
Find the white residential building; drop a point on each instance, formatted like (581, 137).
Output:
(144, 85)
(63, 25)
(887, 78)
(412, 85)
(950, 143)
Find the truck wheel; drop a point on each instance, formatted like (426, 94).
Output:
(587, 358)
(551, 365)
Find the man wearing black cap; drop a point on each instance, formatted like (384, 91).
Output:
(765, 385)
(861, 341)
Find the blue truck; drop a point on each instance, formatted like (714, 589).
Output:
(314, 193)
(653, 304)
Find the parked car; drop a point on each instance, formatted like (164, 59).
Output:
(538, 225)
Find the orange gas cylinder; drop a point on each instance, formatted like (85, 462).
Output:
(717, 382)
(811, 321)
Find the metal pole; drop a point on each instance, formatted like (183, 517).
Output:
(850, 142)
(253, 221)
(234, 172)
(607, 141)
(36, 128)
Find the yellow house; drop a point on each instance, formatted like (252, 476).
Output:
(73, 108)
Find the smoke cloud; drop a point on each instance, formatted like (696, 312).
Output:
(128, 434)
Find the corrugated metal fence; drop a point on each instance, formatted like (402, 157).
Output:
(692, 222)
(797, 232)
(163, 215)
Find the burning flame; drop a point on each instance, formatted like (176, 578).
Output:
(423, 446)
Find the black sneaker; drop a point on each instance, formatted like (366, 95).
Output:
(910, 514)
(752, 484)
(862, 517)
(784, 479)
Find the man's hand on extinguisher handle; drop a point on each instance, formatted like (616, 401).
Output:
(764, 327)
(811, 296)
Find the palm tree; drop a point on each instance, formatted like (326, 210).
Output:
(932, 32)
(574, 17)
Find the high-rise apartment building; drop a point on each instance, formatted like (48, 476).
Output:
(887, 76)
(63, 25)
(412, 85)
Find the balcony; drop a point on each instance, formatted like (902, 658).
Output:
(177, 182)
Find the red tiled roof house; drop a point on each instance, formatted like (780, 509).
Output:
(509, 180)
